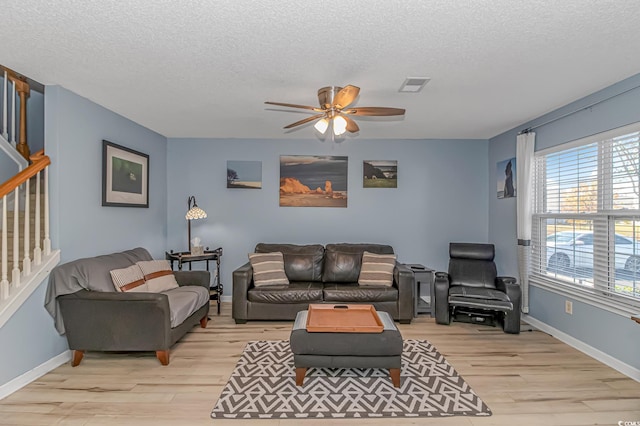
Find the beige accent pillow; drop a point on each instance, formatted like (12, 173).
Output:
(268, 268)
(158, 275)
(130, 279)
(377, 269)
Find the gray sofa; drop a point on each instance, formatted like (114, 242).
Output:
(320, 274)
(85, 306)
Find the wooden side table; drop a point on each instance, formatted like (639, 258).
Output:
(423, 276)
(182, 257)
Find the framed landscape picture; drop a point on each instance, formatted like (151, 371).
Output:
(380, 174)
(313, 181)
(125, 176)
(244, 174)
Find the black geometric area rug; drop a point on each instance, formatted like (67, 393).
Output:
(262, 386)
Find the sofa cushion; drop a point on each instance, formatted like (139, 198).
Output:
(295, 292)
(341, 267)
(130, 279)
(357, 293)
(377, 269)
(184, 301)
(158, 275)
(301, 262)
(268, 269)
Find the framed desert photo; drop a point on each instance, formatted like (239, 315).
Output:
(244, 174)
(506, 173)
(125, 176)
(380, 174)
(313, 181)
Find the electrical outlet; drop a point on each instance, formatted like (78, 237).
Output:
(568, 307)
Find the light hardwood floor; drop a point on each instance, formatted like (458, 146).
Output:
(530, 379)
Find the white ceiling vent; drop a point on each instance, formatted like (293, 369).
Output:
(414, 84)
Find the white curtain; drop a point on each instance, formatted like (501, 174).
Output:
(524, 183)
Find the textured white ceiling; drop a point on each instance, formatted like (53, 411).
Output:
(203, 68)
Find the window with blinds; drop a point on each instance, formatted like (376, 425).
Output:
(586, 221)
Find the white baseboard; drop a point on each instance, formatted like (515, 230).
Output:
(225, 299)
(31, 375)
(597, 354)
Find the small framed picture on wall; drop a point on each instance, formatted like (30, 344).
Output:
(125, 176)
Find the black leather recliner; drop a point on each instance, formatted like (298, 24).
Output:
(472, 287)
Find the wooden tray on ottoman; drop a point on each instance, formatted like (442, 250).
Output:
(342, 318)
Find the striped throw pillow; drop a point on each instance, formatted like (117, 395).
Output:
(129, 279)
(268, 268)
(377, 269)
(158, 275)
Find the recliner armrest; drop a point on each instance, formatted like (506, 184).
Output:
(510, 286)
(403, 279)
(441, 292)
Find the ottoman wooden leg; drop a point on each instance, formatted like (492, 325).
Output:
(300, 372)
(395, 377)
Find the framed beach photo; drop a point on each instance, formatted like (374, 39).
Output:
(125, 176)
(313, 181)
(244, 174)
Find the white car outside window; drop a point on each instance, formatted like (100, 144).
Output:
(567, 251)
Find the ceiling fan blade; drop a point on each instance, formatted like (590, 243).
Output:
(303, 121)
(294, 106)
(345, 96)
(352, 126)
(374, 111)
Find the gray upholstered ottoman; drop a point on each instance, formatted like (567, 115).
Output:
(346, 350)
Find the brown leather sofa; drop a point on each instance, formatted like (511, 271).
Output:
(320, 274)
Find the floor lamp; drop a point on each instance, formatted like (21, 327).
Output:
(193, 212)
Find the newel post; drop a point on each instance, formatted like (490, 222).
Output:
(22, 87)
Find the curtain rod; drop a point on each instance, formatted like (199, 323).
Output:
(530, 129)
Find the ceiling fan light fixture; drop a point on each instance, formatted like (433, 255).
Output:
(322, 125)
(339, 125)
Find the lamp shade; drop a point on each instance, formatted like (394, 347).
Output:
(322, 125)
(195, 212)
(339, 125)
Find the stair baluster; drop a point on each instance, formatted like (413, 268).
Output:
(4, 281)
(5, 95)
(47, 241)
(26, 262)
(15, 273)
(37, 252)
(13, 115)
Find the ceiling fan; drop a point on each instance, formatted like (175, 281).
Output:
(334, 108)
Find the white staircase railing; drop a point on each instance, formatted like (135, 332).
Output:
(36, 263)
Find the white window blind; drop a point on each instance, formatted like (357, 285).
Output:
(586, 222)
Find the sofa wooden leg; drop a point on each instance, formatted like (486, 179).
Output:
(300, 373)
(395, 377)
(77, 357)
(163, 357)
(203, 321)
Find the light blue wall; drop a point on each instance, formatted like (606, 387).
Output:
(441, 196)
(8, 167)
(80, 226)
(606, 331)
